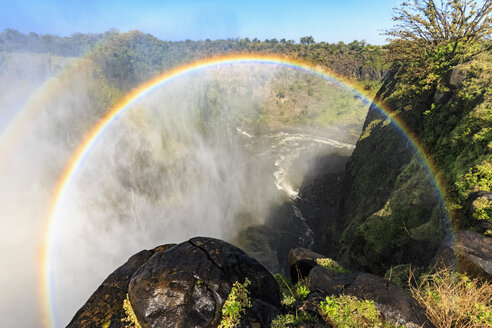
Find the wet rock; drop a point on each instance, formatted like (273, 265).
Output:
(105, 306)
(187, 285)
(470, 253)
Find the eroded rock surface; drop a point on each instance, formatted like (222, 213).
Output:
(182, 285)
(105, 306)
(187, 285)
(469, 252)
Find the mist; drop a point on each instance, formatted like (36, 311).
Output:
(207, 154)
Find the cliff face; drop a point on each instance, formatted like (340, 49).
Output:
(390, 211)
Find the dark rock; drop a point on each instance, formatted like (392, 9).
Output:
(301, 261)
(319, 197)
(470, 253)
(259, 315)
(105, 306)
(187, 285)
(441, 98)
(326, 281)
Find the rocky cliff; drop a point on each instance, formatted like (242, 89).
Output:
(390, 212)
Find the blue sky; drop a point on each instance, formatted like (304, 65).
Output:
(328, 20)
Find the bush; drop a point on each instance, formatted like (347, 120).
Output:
(235, 305)
(454, 300)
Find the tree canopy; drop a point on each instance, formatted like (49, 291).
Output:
(430, 37)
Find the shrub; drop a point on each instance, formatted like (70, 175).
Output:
(235, 305)
(454, 300)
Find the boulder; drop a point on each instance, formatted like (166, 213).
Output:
(105, 306)
(301, 261)
(479, 201)
(393, 298)
(470, 253)
(454, 77)
(187, 285)
(394, 303)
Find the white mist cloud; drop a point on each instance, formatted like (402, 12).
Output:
(172, 167)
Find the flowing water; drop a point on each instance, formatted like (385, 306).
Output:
(285, 149)
(194, 158)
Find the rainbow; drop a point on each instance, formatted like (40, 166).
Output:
(98, 131)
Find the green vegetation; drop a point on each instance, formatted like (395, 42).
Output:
(331, 265)
(236, 304)
(135, 54)
(401, 274)
(343, 311)
(131, 320)
(290, 320)
(440, 88)
(442, 55)
(290, 292)
(454, 300)
(349, 312)
(430, 37)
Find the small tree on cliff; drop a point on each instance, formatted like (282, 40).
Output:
(432, 36)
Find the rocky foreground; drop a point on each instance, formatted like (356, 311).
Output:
(186, 285)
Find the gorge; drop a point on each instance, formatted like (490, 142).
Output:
(258, 149)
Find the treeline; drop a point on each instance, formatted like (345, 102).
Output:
(356, 60)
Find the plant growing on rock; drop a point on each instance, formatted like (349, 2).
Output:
(236, 304)
(348, 312)
(289, 320)
(454, 300)
(331, 265)
(131, 320)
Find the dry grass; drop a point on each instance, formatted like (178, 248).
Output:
(453, 300)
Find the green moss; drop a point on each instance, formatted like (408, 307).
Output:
(331, 265)
(367, 131)
(411, 216)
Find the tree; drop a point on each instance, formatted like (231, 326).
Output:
(307, 40)
(447, 33)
